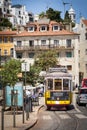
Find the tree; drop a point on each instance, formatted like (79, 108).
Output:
(10, 71)
(42, 63)
(52, 15)
(67, 17)
(46, 60)
(42, 14)
(4, 22)
(33, 75)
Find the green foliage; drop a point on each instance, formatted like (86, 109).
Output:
(10, 72)
(52, 15)
(42, 63)
(46, 60)
(67, 19)
(33, 75)
(4, 22)
(42, 14)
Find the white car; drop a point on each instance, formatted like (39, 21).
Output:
(82, 96)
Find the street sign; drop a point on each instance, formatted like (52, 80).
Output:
(25, 67)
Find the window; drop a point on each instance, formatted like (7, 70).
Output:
(50, 84)
(58, 84)
(19, 43)
(85, 51)
(68, 42)
(11, 52)
(55, 28)
(68, 54)
(19, 55)
(69, 67)
(31, 28)
(0, 39)
(11, 39)
(43, 28)
(66, 84)
(86, 36)
(56, 43)
(43, 42)
(31, 55)
(5, 52)
(5, 39)
(82, 25)
(86, 68)
(31, 43)
(0, 52)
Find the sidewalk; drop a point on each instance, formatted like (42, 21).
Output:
(8, 118)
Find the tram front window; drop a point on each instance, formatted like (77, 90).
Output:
(50, 84)
(65, 84)
(58, 84)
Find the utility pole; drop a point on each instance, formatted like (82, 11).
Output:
(64, 3)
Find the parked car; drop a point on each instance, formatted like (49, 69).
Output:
(82, 96)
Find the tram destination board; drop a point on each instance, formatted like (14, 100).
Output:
(61, 69)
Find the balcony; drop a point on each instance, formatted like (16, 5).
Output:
(41, 48)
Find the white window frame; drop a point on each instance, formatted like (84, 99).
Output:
(43, 28)
(55, 28)
(56, 43)
(31, 28)
(43, 42)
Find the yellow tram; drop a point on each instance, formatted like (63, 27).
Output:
(58, 87)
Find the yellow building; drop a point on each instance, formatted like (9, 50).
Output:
(6, 45)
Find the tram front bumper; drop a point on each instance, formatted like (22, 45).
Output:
(57, 102)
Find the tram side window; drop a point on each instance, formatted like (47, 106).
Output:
(50, 84)
(58, 84)
(65, 84)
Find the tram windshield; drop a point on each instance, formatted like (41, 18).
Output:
(65, 84)
(58, 84)
(50, 84)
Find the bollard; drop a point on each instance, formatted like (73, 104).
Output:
(2, 126)
(30, 104)
(27, 107)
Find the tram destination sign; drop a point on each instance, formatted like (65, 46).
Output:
(58, 69)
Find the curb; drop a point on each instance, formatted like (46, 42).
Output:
(36, 119)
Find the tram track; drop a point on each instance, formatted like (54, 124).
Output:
(73, 122)
(76, 120)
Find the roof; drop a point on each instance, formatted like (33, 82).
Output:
(17, 6)
(46, 33)
(8, 32)
(85, 22)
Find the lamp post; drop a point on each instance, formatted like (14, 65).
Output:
(24, 68)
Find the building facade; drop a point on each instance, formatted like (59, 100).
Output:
(82, 29)
(45, 35)
(6, 45)
(5, 6)
(19, 15)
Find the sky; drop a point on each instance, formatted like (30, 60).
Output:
(38, 6)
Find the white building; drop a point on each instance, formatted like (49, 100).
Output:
(5, 8)
(19, 15)
(72, 14)
(44, 35)
(82, 29)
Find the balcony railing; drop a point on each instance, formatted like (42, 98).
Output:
(41, 47)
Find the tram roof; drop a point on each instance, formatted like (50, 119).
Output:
(58, 74)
